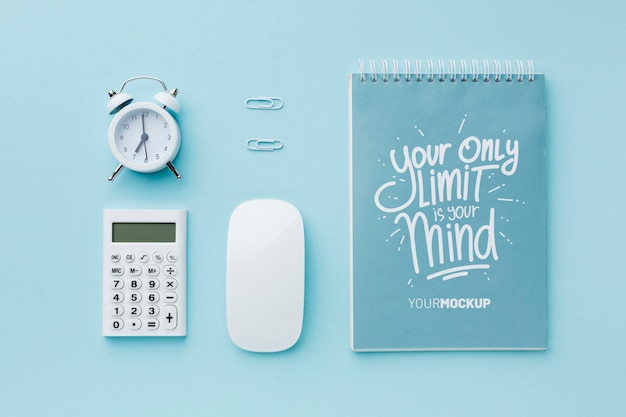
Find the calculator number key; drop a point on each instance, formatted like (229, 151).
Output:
(152, 311)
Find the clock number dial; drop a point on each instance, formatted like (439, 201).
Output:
(152, 134)
(144, 137)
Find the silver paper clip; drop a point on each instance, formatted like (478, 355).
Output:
(264, 103)
(264, 144)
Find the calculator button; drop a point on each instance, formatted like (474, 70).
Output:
(170, 317)
(117, 284)
(134, 311)
(134, 297)
(117, 270)
(129, 257)
(152, 324)
(117, 311)
(170, 297)
(170, 284)
(117, 324)
(117, 297)
(153, 284)
(153, 270)
(170, 271)
(134, 324)
(135, 270)
(172, 257)
(153, 297)
(135, 284)
(144, 257)
(115, 257)
(152, 311)
(158, 257)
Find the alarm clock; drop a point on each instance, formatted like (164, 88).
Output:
(144, 136)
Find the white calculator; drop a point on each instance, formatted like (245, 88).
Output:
(144, 273)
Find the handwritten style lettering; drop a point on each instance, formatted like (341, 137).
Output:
(448, 185)
(459, 242)
(456, 234)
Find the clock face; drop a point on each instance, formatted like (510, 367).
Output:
(144, 137)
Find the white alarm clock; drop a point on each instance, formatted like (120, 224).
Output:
(144, 136)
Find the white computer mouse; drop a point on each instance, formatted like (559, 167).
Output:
(265, 275)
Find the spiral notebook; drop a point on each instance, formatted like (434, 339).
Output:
(448, 206)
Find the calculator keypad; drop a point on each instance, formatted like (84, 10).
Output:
(143, 293)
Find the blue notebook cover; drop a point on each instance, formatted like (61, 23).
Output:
(447, 214)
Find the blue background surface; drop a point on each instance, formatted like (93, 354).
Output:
(58, 60)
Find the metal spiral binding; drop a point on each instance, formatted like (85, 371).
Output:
(450, 72)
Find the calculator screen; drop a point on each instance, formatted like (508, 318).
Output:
(144, 232)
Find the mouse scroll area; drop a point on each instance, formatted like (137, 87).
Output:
(265, 275)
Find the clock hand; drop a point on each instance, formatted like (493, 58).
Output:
(144, 136)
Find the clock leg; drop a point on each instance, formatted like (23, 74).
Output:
(117, 171)
(173, 169)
